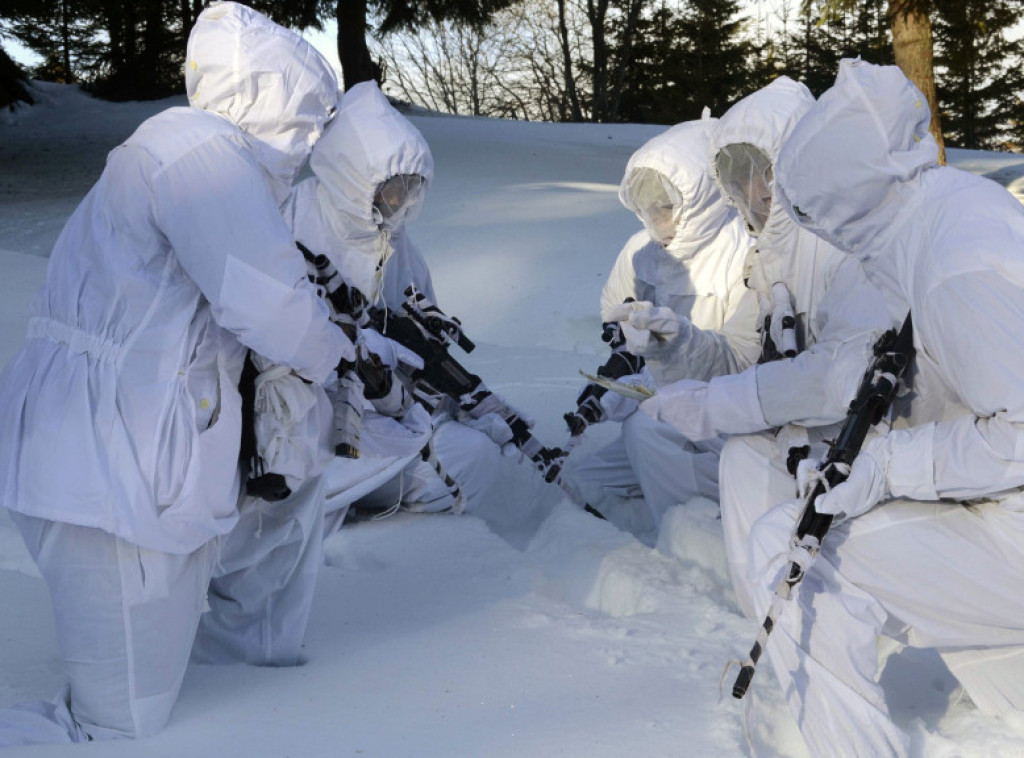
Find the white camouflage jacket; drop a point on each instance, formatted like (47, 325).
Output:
(839, 313)
(121, 408)
(944, 244)
(699, 274)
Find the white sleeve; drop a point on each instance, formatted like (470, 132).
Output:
(406, 266)
(226, 231)
(815, 388)
(971, 327)
(695, 353)
(703, 354)
(621, 284)
(740, 327)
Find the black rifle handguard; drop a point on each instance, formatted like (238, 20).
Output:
(878, 388)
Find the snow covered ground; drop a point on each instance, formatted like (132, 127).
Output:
(529, 629)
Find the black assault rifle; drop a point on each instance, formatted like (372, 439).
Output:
(426, 330)
(588, 404)
(619, 364)
(366, 376)
(893, 354)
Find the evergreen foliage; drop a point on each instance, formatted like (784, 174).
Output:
(12, 83)
(690, 59)
(658, 61)
(980, 83)
(826, 34)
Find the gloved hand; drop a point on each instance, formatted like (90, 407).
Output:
(618, 407)
(290, 423)
(703, 410)
(494, 426)
(488, 402)
(866, 486)
(391, 353)
(645, 325)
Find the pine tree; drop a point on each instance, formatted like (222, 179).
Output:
(814, 47)
(686, 61)
(63, 33)
(653, 90)
(124, 49)
(980, 82)
(12, 83)
(871, 37)
(714, 57)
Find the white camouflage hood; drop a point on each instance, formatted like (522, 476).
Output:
(845, 173)
(681, 155)
(266, 80)
(763, 119)
(367, 143)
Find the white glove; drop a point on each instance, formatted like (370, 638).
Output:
(662, 322)
(703, 410)
(645, 325)
(291, 422)
(492, 403)
(494, 426)
(866, 486)
(390, 352)
(619, 407)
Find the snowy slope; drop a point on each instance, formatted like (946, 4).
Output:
(530, 629)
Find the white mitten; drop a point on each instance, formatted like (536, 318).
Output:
(866, 485)
(619, 407)
(646, 326)
(663, 323)
(292, 424)
(391, 353)
(494, 426)
(703, 410)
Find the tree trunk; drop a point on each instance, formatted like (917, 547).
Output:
(12, 88)
(65, 41)
(912, 48)
(188, 11)
(570, 80)
(625, 58)
(356, 63)
(597, 13)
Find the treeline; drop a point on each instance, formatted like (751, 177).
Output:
(120, 49)
(657, 61)
(663, 62)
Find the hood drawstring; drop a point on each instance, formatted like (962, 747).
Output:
(382, 252)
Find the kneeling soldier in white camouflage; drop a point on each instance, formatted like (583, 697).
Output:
(927, 532)
(371, 172)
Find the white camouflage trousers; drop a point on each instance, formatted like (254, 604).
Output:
(649, 459)
(945, 574)
(127, 617)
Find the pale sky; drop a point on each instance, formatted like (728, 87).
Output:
(324, 41)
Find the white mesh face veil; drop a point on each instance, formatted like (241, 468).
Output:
(397, 200)
(656, 201)
(745, 174)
